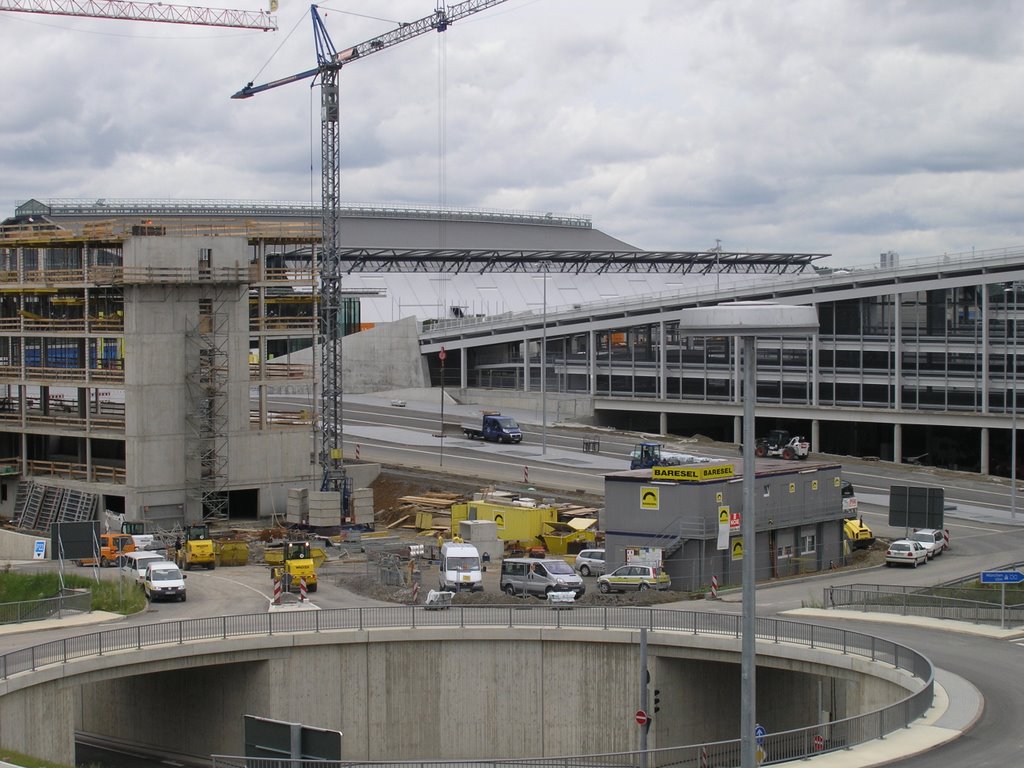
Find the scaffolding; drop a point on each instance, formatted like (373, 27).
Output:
(207, 381)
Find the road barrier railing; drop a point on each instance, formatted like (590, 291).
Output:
(789, 745)
(929, 602)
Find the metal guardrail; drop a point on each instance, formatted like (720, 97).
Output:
(788, 745)
(928, 602)
(70, 601)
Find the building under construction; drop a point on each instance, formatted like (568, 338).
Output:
(141, 344)
(134, 367)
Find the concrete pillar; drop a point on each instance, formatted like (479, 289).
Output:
(984, 450)
(815, 435)
(663, 423)
(897, 335)
(526, 363)
(592, 360)
(737, 429)
(897, 443)
(464, 368)
(662, 365)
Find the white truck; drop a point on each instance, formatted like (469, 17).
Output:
(460, 568)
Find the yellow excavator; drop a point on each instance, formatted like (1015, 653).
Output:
(292, 563)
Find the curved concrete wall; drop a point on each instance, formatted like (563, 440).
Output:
(435, 693)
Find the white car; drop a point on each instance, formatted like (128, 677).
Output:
(932, 539)
(906, 552)
(133, 564)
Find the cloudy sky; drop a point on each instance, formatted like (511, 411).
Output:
(834, 126)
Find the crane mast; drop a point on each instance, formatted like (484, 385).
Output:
(126, 10)
(329, 64)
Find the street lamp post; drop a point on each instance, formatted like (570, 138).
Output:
(748, 320)
(544, 370)
(1010, 292)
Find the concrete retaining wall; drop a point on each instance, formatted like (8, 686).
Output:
(433, 693)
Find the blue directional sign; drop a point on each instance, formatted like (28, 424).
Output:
(1001, 577)
(760, 733)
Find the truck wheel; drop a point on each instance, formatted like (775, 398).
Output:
(788, 453)
(760, 451)
(210, 566)
(104, 562)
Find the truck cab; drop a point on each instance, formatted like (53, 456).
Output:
(501, 429)
(111, 547)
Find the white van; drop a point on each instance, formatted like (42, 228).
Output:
(460, 567)
(530, 576)
(133, 564)
(164, 581)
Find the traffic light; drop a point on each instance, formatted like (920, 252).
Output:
(657, 700)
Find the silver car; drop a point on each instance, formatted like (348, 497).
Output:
(931, 539)
(590, 562)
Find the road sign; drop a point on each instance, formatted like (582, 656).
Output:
(442, 355)
(641, 717)
(759, 734)
(1001, 577)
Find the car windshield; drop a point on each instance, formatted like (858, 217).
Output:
(164, 575)
(558, 567)
(463, 564)
(899, 547)
(924, 538)
(507, 422)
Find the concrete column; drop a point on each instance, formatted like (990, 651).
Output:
(815, 435)
(464, 368)
(984, 450)
(526, 363)
(897, 443)
(815, 371)
(663, 423)
(662, 365)
(897, 335)
(985, 355)
(592, 360)
(737, 429)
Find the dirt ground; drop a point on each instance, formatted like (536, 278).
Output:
(391, 486)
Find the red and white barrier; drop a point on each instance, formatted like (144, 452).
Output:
(302, 589)
(277, 591)
(714, 587)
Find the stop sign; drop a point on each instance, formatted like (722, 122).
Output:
(641, 717)
(442, 355)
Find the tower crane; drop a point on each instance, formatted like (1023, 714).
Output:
(127, 10)
(329, 63)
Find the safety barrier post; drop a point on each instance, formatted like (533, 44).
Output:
(277, 591)
(302, 589)
(714, 587)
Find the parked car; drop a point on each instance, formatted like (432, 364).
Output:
(634, 578)
(933, 540)
(906, 552)
(590, 562)
(164, 581)
(134, 564)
